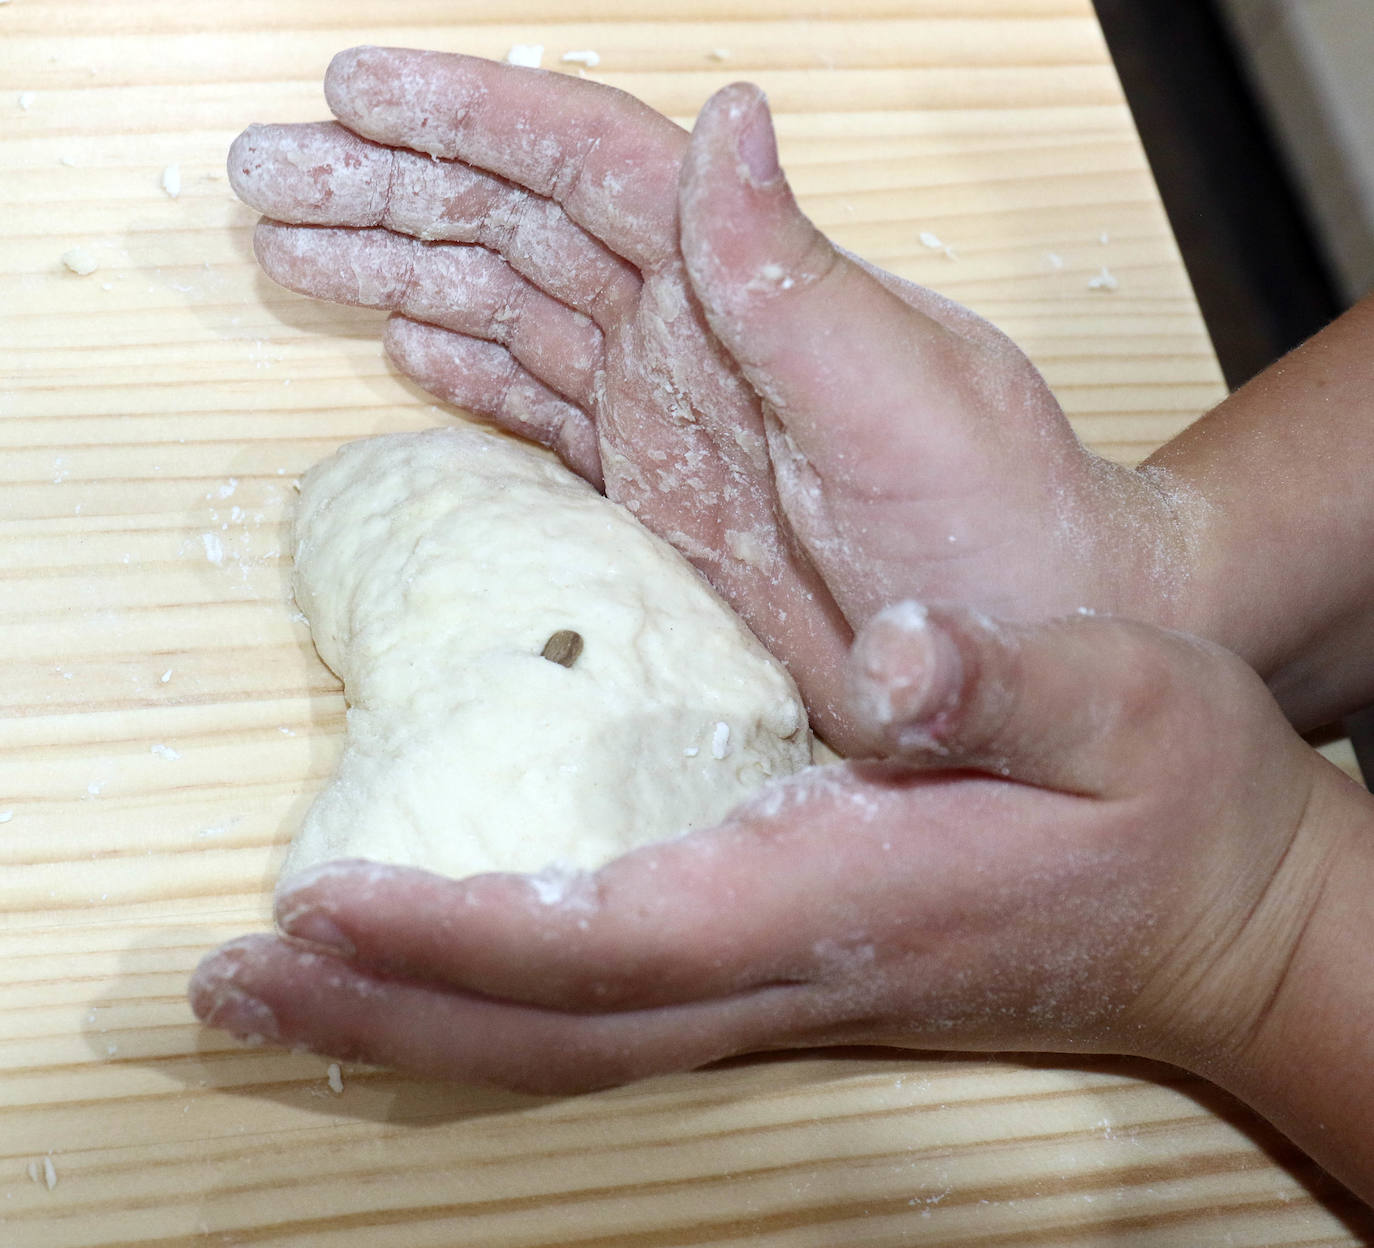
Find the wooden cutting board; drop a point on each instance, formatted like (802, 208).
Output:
(165, 720)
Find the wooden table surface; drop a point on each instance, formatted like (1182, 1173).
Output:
(164, 721)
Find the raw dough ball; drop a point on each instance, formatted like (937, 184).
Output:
(434, 568)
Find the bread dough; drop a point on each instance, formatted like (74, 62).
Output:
(435, 568)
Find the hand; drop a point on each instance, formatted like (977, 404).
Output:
(819, 437)
(1129, 869)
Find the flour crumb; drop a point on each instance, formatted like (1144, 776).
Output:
(214, 548)
(720, 740)
(1054, 260)
(165, 677)
(335, 1076)
(1104, 279)
(770, 275)
(64, 159)
(164, 751)
(720, 54)
(748, 548)
(936, 243)
(26, 99)
(529, 55)
(80, 261)
(692, 751)
(559, 884)
(1104, 238)
(6, 816)
(584, 57)
(49, 1174)
(171, 181)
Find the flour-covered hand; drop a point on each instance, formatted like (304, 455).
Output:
(1097, 840)
(818, 437)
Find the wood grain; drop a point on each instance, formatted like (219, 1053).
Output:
(164, 721)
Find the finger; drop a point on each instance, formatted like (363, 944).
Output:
(790, 890)
(466, 289)
(323, 174)
(488, 381)
(610, 160)
(1077, 705)
(773, 286)
(265, 990)
(901, 415)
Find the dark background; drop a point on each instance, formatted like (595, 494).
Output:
(1250, 250)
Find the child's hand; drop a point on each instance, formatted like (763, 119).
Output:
(1129, 870)
(819, 438)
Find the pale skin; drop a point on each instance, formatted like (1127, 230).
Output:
(1081, 834)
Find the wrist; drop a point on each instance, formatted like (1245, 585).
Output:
(1293, 1034)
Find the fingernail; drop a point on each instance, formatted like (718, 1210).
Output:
(226, 1006)
(758, 146)
(908, 672)
(315, 928)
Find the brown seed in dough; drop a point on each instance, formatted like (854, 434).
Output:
(563, 647)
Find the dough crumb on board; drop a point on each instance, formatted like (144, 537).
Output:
(26, 99)
(935, 243)
(1104, 279)
(80, 261)
(171, 181)
(586, 58)
(6, 816)
(43, 1172)
(528, 55)
(335, 1077)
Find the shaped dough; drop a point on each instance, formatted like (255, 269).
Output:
(434, 568)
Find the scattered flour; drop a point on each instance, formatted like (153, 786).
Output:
(80, 261)
(1104, 279)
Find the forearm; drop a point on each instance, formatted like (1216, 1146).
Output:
(1309, 1064)
(1282, 571)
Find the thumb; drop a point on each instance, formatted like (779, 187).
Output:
(775, 289)
(1082, 705)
